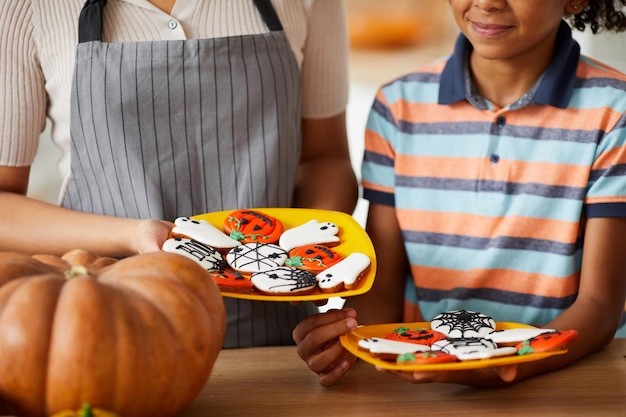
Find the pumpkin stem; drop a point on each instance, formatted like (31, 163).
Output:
(76, 271)
(86, 410)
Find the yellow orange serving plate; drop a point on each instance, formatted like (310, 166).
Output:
(352, 238)
(350, 342)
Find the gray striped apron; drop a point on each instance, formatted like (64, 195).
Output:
(166, 129)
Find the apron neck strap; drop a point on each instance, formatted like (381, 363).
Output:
(90, 20)
(269, 15)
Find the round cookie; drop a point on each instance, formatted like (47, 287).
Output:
(463, 324)
(249, 226)
(284, 281)
(249, 258)
(313, 258)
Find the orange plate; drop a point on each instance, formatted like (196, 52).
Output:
(352, 239)
(350, 342)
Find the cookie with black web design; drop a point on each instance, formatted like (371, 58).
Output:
(463, 324)
(256, 257)
(284, 280)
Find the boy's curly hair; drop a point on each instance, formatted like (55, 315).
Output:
(601, 15)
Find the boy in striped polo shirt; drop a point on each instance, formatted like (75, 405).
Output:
(497, 183)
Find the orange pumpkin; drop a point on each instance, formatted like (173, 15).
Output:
(85, 411)
(137, 337)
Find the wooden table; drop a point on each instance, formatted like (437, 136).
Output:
(275, 382)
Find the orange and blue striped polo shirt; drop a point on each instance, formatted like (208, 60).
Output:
(492, 202)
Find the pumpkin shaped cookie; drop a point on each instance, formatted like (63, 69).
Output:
(427, 357)
(547, 342)
(313, 258)
(252, 226)
(231, 281)
(419, 336)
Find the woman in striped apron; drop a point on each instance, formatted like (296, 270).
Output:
(170, 128)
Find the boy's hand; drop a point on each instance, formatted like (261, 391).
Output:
(318, 343)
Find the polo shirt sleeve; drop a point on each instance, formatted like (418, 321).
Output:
(606, 192)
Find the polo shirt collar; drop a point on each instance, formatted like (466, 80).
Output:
(553, 88)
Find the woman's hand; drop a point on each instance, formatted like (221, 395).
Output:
(151, 234)
(318, 343)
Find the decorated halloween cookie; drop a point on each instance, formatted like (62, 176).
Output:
(386, 349)
(419, 336)
(344, 274)
(472, 349)
(463, 324)
(206, 256)
(231, 281)
(249, 258)
(313, 258)
(203, 232)
(249, 226)
(547, 342)
(309, 233)
(284, 280)
(419, 358)
(512, 337)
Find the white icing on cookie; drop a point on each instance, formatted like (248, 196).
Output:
(463, 324)
(207, 257)
(256, 257)
(515, 335)
(345, 272)
(203, 232)
(284, 280)
(309, 233)
(466, 349)
(379, 345)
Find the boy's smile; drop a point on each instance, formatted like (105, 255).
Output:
(512, 42)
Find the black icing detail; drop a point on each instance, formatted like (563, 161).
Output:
(287, 279)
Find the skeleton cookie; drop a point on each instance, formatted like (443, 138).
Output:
(207, 257)
(472, 349)
(309, 233)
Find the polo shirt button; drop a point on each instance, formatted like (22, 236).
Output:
(494, 158)
(501, 121)
(172, 24)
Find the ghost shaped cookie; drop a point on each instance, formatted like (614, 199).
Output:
(203, 232)
(309, 233)
(344, 274)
